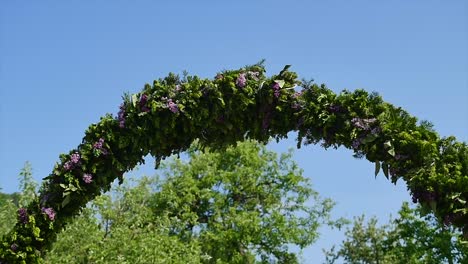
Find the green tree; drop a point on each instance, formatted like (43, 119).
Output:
(410, 238)
(9, 203)
(241, 205)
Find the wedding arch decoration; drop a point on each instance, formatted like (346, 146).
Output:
(169, 114)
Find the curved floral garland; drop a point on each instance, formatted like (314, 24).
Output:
(165, 117)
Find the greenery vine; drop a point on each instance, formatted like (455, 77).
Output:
(166, 116)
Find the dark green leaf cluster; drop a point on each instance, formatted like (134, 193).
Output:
(165, 117)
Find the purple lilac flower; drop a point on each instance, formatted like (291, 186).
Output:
(219, 76)
(266, 121)
(297, 94)
(254, 75)
(400, 156)
(178, 88)
(241, 80)
(423, 196)
(376, 130)
(276, 89)
(68, 165)
(99, 144)
(121, 116)
(363, 123)
(142, 103)
(356, 143)
(14, 247)
(49, 212)
(23, 215)
(172, 106)
(75, 158)
(87, 178)
(296, 106)
(45, 198)
(334, 108)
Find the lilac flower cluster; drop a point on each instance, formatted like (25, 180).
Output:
(335, 108)
(99, 145)
(87, 178)
(74, 160)
(266, 120)
(172, 106)
(363, 123)
(219, 76)
(241, 81)
(253, 75)
(14, 247)
(178, 88)
(276, 89)
(296, 106)
(23, 215)
(357, 143)
(142, 103)
(121, 116)
(423, 196)
(49, 212)
(400, 156)
(297, 95)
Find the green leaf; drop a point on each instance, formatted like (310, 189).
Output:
(377, 168)
(134, 100)
(66, 200)
(280, 82)
(385, 169)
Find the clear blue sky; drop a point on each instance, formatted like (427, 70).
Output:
(63, 64)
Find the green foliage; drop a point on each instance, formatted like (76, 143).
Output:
(167, 116)
(242, 205)
(410, 238)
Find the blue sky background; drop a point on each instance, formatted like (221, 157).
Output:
(63, 64)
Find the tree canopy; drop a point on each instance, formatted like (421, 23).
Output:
(409, 238)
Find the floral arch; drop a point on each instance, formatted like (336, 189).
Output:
(166, 116)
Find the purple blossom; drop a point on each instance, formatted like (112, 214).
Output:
(23, 215)
(122, 123)
(143, 99)
(400, 157)
(219, 76)
(254, 75)
(75, 158)
(356, 143)
(178, 88)
(68, 165)
(14, 247)
(172, 106)
(334, 108)
(142, 103)
(296, 106)
(45, 198)
(87, 178)
(363, 123)
(276, 88)
(266, 121)
(49, 212)
(423, 196)
(121, 116)
(297, 94)
(99, 144)
(241, 80)
(376, 130)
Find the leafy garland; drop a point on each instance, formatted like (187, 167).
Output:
(165, 117)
